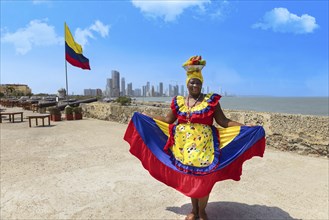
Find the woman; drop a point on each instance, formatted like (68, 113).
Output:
(192, 154)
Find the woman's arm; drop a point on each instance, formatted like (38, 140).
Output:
(221, 119)
(169, 119)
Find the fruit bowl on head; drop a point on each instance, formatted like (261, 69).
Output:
(192, 68)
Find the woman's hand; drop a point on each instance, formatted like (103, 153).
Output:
(144, 113)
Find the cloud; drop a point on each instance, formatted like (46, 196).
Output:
(219, 9)
(100, 28)
(168, 10)
(36, 33)
(281, 20)
(82, 35)
(39, 33)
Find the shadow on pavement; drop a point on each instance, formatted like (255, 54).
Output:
(234, 210)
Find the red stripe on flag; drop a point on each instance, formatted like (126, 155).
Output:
(77, 63)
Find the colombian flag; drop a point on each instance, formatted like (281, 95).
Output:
(147, 138)
(73, 51)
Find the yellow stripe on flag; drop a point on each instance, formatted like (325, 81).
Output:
(70, 41)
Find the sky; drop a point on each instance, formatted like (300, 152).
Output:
(252, 48)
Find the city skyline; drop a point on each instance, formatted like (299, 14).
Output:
(147, 90)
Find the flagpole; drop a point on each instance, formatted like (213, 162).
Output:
(67, 87)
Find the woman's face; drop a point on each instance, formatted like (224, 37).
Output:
(194, 86)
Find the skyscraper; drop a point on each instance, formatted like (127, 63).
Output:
(171, 91)
(176, 92)
(123, 86)
(108, 87)
(115, 83)
(130, 89)
(182, 90)
(137, 92)
(148, 89)
(161, 89)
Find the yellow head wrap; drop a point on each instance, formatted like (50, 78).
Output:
(194, 74)
(193, 67)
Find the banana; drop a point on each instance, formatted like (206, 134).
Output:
(195, 60)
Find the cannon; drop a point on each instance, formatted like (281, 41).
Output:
(46, 104)
(76, 103)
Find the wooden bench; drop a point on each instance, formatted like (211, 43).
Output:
(36, 117)
(11, 116)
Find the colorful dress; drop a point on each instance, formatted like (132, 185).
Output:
(192, 154)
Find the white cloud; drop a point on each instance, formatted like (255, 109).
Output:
(281, 20)
(219, 9)
(101, 28)
(39, 33)
(36, 33)
(169, 10)
(81, 35)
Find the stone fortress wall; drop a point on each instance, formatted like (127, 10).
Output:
(303, 134)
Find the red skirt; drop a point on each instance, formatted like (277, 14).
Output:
(148, 137)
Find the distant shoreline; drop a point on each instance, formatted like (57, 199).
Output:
(316, 106)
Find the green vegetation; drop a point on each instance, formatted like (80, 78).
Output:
(77, 110)
(123, 100)
(68, 110)
(54, 111)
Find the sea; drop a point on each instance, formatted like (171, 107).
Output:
(290, 105)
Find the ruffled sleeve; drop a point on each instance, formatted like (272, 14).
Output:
(177, 104)
(204, 112)
(213, 99)
(173, 106)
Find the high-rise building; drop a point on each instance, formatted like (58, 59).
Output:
(115, 84)
(130, 89)
(108, 87)
(111, 88)
(123, 87)
(182, 90)
(160, 89)
(171, 91)
(92, 92)
(148, 89)
(99, 92)
(176, 92)
(137, 92)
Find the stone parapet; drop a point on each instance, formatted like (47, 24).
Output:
(304, 134)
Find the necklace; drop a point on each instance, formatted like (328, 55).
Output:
(188, 113)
